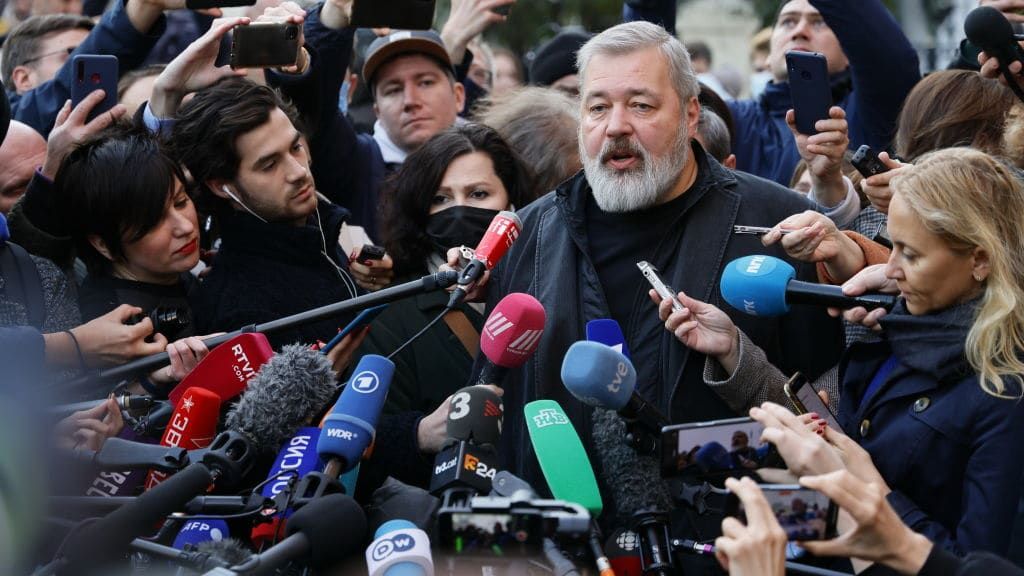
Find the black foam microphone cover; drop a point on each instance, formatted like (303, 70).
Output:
(335, 527)
(476, 416)
(988, 29)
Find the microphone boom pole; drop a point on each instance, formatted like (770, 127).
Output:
(428, 283)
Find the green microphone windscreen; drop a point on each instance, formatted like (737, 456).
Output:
(561, 455)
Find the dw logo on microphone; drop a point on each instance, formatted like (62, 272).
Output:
(388, 546)
(365, 382)
(549, 417)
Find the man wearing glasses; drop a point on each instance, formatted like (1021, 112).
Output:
(36, 50)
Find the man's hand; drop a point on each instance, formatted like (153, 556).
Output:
(373, 274)
(193, 69)
(1012, 9)
(71, 129)
(823, 153)
(108, 340)
(143, 14)
(433, 428)
(757, 549)
(702, 327)
(290, 13)
(878, 534)
(815, 238)
(336, 14)
(467, 20)
(870, 279)
(90, 428)
(877, 189)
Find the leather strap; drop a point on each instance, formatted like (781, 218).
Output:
(464, 331)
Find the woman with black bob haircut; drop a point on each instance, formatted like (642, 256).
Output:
(135, 227)
(445, 195)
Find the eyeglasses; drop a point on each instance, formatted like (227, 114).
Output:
(66, 51)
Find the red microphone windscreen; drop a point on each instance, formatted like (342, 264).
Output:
(513, 330)
(500, 236)
(192, 426)
(228, 368)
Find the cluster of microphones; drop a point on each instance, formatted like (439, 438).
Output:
(175, 492)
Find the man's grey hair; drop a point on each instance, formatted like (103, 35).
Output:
(634, 36)
(714, 134)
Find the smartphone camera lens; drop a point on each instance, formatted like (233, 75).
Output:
(292, 32)
(805, 75)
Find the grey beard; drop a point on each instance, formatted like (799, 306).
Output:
(639, 188)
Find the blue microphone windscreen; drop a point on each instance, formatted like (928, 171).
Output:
(756, 285)
(350, 427)
(597, 375)
(608, 332)
(199, 530)
(392, 526)
(297, 458)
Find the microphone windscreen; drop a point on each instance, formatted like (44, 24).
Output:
(608, 332)
(633, 480)
(476, 416)
(399, 544)
(499, 237)
(598, 375)
(561, 455)
(291, 387)
(192, 426)
(988, 29)
(756, 285)
(229, 551)
(227, 368)
(352, 423)
(513, 330)
(334, 525)
(198, 530)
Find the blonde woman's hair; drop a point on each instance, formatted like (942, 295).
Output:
(972, 200)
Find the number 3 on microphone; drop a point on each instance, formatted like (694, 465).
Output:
(459, 406)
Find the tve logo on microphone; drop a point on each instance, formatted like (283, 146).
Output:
(549, 417)
(385, 547)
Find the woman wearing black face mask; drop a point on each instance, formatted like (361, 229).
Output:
(445, 195)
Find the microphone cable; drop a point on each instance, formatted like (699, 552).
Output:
(423, 331)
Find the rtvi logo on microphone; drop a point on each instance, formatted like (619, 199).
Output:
(400, 542)
(365, 382)
(242, 367)
(549, 417)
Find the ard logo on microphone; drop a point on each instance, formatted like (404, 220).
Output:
(365, 382)
(549, 417)
(387, 546)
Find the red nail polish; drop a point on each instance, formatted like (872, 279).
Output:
(815, 416)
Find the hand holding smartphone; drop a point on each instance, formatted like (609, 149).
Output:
(804, 399)
(91, 72)
(803, 513)
(265, 45)
(809, 89)
(866, 161)
(651, 273)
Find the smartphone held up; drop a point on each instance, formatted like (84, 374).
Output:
(265, 45)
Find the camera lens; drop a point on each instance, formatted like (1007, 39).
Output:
(168, 320)
(805, 75)
(292, 33)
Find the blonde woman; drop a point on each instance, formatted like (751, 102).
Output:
(933, 410)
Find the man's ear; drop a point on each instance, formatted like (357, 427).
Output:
(460, 96)
(100, 246)
(21, 78)
(692, 112)
(217, 185)
(730, 162)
